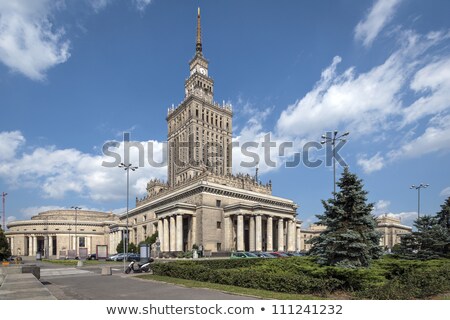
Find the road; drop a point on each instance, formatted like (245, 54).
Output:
(88, 284)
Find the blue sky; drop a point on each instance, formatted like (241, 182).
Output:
(75, 74)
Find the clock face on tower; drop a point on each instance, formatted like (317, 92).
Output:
(202, 71)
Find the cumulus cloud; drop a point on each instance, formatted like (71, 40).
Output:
(435, 138)
(381, 206)
(141, 4)
(372, 164)
(406, 218)
(30, 43)
(445, 192)
(9, 143)
(58, 172)
(377, 18)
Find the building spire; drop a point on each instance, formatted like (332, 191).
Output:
(198, 46)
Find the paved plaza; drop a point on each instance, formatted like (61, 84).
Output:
(87, 283)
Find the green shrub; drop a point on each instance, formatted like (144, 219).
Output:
(388, 278)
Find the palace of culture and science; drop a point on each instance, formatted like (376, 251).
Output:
(201, 203)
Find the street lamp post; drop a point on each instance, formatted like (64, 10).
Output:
(76, 223)
(127, 168)
(420, 186)
(332, 140)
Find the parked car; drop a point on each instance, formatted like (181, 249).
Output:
(279, 254)
(244, 254)
(295, 254)
(265, 255)
(92, 256)
(116, 257)
(133, 256)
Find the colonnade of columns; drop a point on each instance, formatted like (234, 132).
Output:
(170, 232)
(288, 233)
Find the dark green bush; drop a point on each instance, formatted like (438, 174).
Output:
(388, 278)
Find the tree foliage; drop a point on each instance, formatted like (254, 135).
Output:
(4, 247)
(432, 238)
(150, 240)
(350, 239)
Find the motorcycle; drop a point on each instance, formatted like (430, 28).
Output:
(137, 267)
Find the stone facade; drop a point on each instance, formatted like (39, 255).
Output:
(391, 230)
(53, 233)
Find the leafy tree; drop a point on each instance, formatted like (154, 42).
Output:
(4, 247)
(350, 239)
(132, 248)
(119, 248)
(150, 240)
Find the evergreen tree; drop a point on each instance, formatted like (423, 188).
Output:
(430, 241)
(119, 248)
(4, 247)
(350, 239)
(132, 248)
(443, 216)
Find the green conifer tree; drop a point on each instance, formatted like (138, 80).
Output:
(4, 247)
(443, 216)
(350, 239)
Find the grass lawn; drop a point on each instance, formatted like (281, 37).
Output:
(263, 294)
(74, 262)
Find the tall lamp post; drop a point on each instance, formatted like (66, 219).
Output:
(332, 140)
(420, 186)
(76, 223)
(4, 194)
(127, 168)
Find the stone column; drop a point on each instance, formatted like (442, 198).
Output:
(50, 246)
(194, 230)
(291, 236)
(280, 235)
(88, 245)
(166, 235)
(258, 233)
(30, 246)
(251, 233)
(161, 234)
(173, 235)
(34, 245)
(299, 239)
(240, 232)
(228, 233)
(179, 232)
(46, 246)
(11, 245)
(269, 234)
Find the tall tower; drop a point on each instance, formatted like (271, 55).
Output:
(199, 129)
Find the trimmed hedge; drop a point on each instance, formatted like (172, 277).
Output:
(388, 278)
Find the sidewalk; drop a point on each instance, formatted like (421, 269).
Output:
(23, 286)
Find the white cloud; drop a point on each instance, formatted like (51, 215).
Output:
(377, 18)
(436, 137)
(374, 101)
(445, 192)
(29, 42)
(433, 83)
(58, 172)
(372, 164)
(9, 143)
(141, 4)
(381, 206)
(98, 5)
(406, 218)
